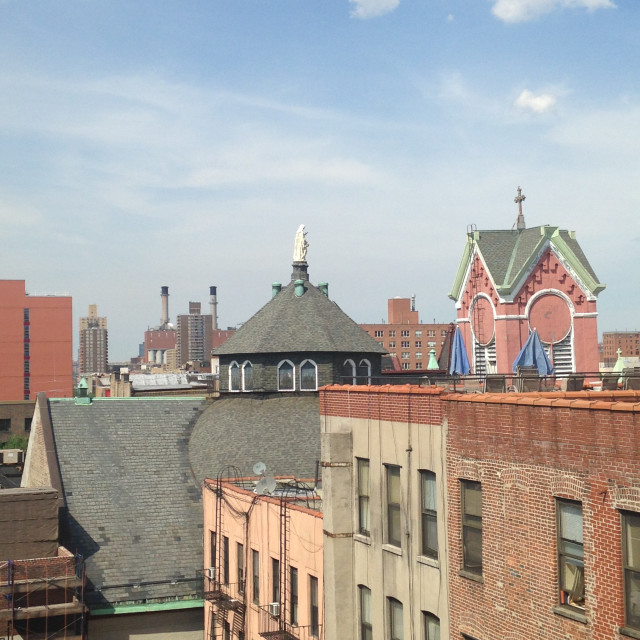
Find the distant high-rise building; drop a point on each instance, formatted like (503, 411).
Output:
(195, 337)
(35, 343)
(93, 355)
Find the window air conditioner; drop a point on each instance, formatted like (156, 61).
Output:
(274, 609)
(211, 573)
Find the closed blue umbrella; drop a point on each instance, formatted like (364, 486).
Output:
(533, 354)
(459, 361)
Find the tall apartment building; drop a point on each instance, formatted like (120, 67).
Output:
(35, 343)
(405, 337)
(195, 337)
(627, 341)
(93, 356)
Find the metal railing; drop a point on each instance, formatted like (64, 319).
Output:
(230, 596)
(271, 624)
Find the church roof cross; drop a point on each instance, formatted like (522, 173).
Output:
(519, 199)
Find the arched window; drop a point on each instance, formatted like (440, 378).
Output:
(286, 376)
(308, 376)
(349, 372)
(234, 376)
(364, 372)
(247, 376)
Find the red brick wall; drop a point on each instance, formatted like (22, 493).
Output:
(525, 455)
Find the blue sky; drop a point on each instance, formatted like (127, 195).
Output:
(147, 143)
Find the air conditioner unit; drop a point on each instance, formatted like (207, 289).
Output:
(274, 609)
(11, 456)
(210, 573)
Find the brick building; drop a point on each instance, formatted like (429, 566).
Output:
(405, 337)
(510, 282)
(541, 508)
(35, 343)
(627, 341)
(93, 353)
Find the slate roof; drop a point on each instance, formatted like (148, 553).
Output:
(308, 323)
(133, 507)
(281, 430)
(509, 253)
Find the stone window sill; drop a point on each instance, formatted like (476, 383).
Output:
(471, 576)
(632, 633)
(571, 612)
(359, 537)
(392, 549)
(431, 562)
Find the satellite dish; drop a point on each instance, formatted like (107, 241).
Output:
(265, 486)
(259, 468)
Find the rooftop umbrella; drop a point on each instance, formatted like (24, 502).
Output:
(533, 355)
(459, 361)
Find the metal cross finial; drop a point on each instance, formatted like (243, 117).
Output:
(519, 199)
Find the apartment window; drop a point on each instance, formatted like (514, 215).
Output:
(227, 630)
(431, 625)
(26, 315)
(443, 333)
(405, 333)
(379, 334)
(429, 514)
(396, 628)
(364, 526)
(275, 580)
(405, 344)
(247, 376)
(255, 576)
(431, 343)
(471, 500)
(366, 618)
(418, 365)
(406, 355)
(418, 355)
(392, 344)
(225, 559)
(240, 566)
(406, 365)
(431, 333)
(631, 564)
(308, 376)
(394, 524)
(27, 349)
(235, 377)
(418, 333)
(27, 424)
(293, 582)
(5, 424)
(418, 344)
(314, 612)
(392, 333)
(286, 376)
(570, 553)
(212, 554)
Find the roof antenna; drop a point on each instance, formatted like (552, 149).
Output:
(519, 199)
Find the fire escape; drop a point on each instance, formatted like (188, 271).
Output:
(228, 599)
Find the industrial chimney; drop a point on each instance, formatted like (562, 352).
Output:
(213, 304)
(164, 296)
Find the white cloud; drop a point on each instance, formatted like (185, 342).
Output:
(540, 103)
(372, 8)
(523, 10)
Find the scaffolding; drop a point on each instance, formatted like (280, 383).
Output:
(43, 598)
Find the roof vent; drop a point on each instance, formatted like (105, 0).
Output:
(82, 394)
(276, 287)
(299, 287)
(324, 287)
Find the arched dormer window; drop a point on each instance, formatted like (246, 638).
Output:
(308, 376)
(234, 376)
(349, 372)
(247, 376)
(286, 376)
(364, 372)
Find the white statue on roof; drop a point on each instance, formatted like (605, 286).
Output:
(300, 245)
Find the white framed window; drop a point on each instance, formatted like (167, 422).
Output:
(405, 344)
(392, 333)
(392, 344)
(405, 333)
(379, 334)
(406, 355)
(418, 333)
(286, 376)
(247, 376)
(308, 376)
(406, 365)
(349, 372)
(235, 377)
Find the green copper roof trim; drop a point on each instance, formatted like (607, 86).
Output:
(507, 286)
(594, 286)
(133, 399)
(171, 605)
(462, 269)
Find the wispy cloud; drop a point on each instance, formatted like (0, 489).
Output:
(365, 9)
(523, 10)
(537, 103)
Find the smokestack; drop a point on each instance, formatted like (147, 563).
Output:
(164, 296)
(213, 304)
